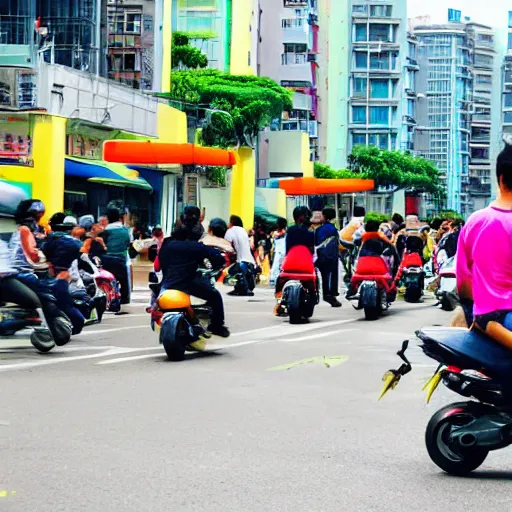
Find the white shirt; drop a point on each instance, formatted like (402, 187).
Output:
(240, 241)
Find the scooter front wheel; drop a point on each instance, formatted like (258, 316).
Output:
(42, 340)
(454, 459)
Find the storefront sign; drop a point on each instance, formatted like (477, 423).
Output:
(15, 139)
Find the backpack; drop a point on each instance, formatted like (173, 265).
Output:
(328, 250)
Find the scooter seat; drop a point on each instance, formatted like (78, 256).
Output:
(173, 299)
(297, 276)
(469, 350)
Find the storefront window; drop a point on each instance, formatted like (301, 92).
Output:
(15, 139)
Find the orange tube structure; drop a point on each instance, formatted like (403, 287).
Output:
(317, 186)
(161, 153)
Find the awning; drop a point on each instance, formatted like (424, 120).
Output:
(317, 186)
(99, 171)
(162, 153)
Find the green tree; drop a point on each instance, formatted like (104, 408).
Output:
(233, 108)
(184, 55)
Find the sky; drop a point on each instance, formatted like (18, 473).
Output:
(490, 12)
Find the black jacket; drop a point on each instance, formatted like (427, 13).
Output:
(300, 235)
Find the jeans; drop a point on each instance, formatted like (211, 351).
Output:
(203, 289)
(117, 266)
(330, 275)
(245, 273)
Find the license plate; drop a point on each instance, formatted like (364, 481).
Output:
(433, 383)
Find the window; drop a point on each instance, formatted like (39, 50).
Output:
(379, 60)
(508, 100)
(508, 117)
(358, 139)
(132, 24)
(129, 62)
(380, 11)
(509, 46)
(360, 9)
(359, 115)
(361, 59)
(378, 139)
(379, 115)
(486, 38)
(393, 141)
(293, 22)
(295, 48)
(379, 89)
(509, 19)
(360, 86)
(381, 32)
(361, 33)
(125, 22)
(411, 108)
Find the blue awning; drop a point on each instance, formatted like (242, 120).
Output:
(104, 172)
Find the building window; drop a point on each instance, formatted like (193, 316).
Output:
(379, 89)
(381, 32)
(360, 86)
(509, 19)
(360, 9)
(361, 59)
(508, 100)
(393, 141)
(508, 117)
(358, 139)
(378, 139)
(361, 32)
(359, 115)
(383, 60)
(381, 11)
(411, 108)
(127, 22)
(379, 115)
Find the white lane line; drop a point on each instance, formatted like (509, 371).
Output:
(214, 348)
(313, 337)
(114, 329)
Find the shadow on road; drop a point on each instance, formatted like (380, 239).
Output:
(483, 475)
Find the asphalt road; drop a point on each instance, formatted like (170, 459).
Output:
(108, 424)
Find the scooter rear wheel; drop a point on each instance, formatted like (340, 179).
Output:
(42, 340)
(454, 460)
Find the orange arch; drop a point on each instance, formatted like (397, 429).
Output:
(314, 186)
(160, 153)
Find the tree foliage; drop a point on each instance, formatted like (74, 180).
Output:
(235, 107)
(185, 56)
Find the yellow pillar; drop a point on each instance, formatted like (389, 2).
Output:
(241, 37)
(48, 153)
(171, 124)
(243, 181)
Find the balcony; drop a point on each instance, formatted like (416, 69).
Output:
(292, 59)
(302, 101)
(481, 118)
(295, 30)
(16, 41)
(295, 3)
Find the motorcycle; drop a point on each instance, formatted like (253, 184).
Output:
(446, 293)
(372, 287)
(413, 277)
(459, 436)
(180, 319)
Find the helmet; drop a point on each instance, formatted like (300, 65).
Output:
(29, 209)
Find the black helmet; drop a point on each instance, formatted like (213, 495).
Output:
(28, 210)
(302, 214)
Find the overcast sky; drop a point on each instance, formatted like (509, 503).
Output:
(491, 12)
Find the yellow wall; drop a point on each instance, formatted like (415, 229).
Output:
(47, 173)
(243, 187)
(172, 124)
(272, 199)
(241, 37)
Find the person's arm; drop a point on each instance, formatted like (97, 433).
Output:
(28, 243)
(464, 264)
(213, 254)
(86, 247)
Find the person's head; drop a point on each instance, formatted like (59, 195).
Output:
(397, 219)
(103, 221)
(180, 232)
(372, 226)
(96, 229)
(78, 233)
(301, 215)
(86, 222)
(425, 230)
(157, 232)
(113, 215)
(504, 168)
(281, 224)
(385, 229)
(359, 211)
(29, 210)
(328, 214)
(191, 215)
(456, 224)
(235, 220)
(217, 227)
(317, 218)
(445, 226)
(56, 221)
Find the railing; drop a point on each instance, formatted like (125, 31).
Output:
(294, 58)
(16, 30)
(295, 3)
(294, 22)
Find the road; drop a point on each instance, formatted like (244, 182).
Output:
(108, 424)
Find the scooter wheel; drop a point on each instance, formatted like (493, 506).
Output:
(42, 340)
(372, 313)
(455, 460)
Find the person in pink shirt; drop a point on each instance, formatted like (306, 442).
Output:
(484, 256)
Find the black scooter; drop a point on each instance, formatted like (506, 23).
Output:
(460, 435)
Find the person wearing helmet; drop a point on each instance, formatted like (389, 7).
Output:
(299, 233)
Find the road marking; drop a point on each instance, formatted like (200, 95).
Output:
(114, 329)
(317, 336)
(214, 348)
(327, 361)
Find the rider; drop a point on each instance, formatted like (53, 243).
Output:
(179, 258)
(299, 234)
(484, 268)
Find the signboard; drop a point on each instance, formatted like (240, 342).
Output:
(11, 193)
(15, 139)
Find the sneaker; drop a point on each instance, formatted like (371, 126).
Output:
(233, 293)
(221, 331)
(333, 301)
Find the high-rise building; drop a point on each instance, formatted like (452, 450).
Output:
(454, 117)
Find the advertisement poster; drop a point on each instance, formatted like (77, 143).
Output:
(11, 193)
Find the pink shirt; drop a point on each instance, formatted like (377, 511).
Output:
(484, 257)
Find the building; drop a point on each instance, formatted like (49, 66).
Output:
(456, 78)
(288, 48)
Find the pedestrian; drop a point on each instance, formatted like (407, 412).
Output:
(327, 253)
(103, 221)
(279, 249)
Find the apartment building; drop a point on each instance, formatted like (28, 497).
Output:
(455, 117)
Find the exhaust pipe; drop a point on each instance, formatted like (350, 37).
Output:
(467, 440)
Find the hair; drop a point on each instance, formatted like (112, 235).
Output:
(397, 219)
(329, 213)
(113, 215)
(180, 232)
(359, 211)
(281, 223)
(372, 226)
(504, 166)
(235, 220)
(218, 227)
(57, 219)
(301, 214)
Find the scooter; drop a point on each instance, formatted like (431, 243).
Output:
(459, 436)
(446, 293)
(413, 277)
(298, 297)
(181, 320)
(372, 287)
